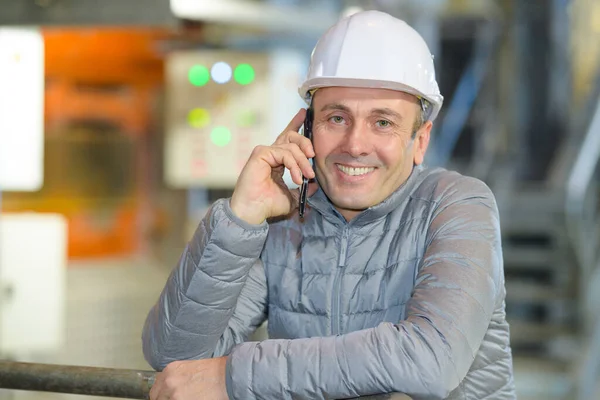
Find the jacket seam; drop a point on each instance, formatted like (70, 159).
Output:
(453, 324)
(210, 307)
(180, 329)
(442, 208)
(347, 314)
(395, 229)
(377, 310)
(489, 364)
(356, 232)
(232, 282)
(282, 266)
(204, 242)
(451, 360)
(419, 198)
(461, 290)
(251, 372)
(286, 355)
(373, 271)
(296, 312)
(467, 259)
(408, 356)
(501, 388)
(213, 242)
(366, 273)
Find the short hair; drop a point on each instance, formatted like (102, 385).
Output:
(422, 115)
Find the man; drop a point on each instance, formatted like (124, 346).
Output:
(392, 281)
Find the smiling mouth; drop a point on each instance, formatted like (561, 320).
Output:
(354, 171)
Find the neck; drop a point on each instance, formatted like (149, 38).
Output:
(348, 214)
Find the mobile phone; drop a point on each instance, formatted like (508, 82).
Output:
(307, 132)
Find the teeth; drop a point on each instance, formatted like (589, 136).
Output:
(354, 171)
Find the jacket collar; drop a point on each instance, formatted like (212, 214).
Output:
(321, 203)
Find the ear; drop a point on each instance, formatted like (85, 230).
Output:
(421, 142)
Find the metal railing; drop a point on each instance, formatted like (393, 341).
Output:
(583, 223)
(94, 381)
(581, 204)
(465, 95)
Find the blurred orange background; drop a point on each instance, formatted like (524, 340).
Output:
(101, 89)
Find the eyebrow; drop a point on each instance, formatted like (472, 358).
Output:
(387, 112)
(379, 111)
(335, 106)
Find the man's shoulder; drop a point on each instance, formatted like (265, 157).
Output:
(438, 185)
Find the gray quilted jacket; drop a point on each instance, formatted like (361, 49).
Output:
(407, 297)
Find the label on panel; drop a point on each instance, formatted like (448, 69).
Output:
(217, 110)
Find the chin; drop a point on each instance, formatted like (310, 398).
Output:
(351, 202)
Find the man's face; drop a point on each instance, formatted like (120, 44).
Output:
(363, 144)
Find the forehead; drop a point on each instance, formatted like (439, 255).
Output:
(363, 98)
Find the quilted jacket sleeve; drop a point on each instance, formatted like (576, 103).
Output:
(215, 298)
(424, 356)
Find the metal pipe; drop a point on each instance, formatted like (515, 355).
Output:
(93, 381)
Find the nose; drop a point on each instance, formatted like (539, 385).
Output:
(357, 142)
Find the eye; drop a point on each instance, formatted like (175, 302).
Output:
(382, 123)
(336, 119)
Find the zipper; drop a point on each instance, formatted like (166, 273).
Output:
(336, 298)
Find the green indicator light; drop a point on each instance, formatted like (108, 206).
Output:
(220, 136)
(246, 119)
(199, 75)
(243, 74)
(198, 118)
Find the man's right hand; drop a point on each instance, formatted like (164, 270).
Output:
(260, 191)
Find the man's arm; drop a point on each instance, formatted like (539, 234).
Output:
(215, 298)
(425, 356)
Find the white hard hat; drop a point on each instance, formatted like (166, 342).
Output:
(372, 49)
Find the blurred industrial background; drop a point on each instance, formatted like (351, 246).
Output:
(122, 120)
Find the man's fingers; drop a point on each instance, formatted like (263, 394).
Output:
(301, 159)
(303, 142)
(297, 121)
(294, 126)
(291, 157)
(277, 156)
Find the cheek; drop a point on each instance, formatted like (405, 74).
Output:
(394, 155)
(323, 146)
